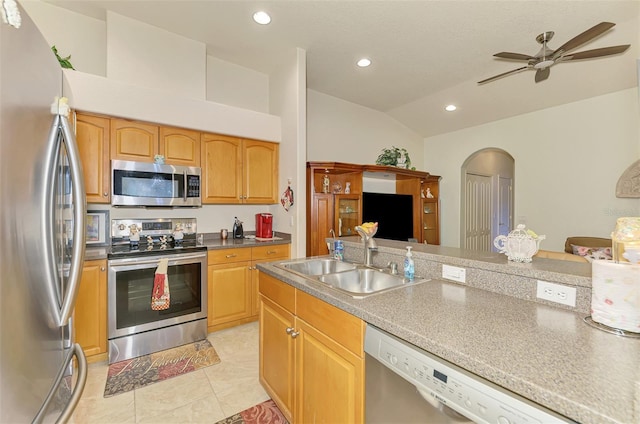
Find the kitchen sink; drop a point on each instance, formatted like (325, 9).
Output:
(356, 280)
(319, 266)
(363, 281)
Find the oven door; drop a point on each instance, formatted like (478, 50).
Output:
(130, 285)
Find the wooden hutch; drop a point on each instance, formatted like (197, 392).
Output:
(331, 209)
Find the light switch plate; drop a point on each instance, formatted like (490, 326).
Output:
(454, 273)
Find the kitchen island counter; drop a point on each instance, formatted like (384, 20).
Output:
(543, 353)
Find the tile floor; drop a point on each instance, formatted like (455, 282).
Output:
(203, 396)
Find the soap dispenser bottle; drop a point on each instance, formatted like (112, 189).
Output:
(409, 266)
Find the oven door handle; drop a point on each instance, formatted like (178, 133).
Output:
(156, 259)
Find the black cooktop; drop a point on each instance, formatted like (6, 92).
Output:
(123, 248)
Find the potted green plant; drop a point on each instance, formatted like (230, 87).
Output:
(395, 156)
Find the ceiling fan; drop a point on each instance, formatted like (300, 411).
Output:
(546, 57)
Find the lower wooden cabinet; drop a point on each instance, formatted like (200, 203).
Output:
(233, 283)
(90, 314)
(311, 356)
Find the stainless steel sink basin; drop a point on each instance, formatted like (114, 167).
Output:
(319, 266)
(361, 282)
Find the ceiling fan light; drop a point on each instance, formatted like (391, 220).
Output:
(261, 17)
(543, 64)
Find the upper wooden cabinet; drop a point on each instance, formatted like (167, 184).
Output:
(132, 140)
(92, 136)
(139, 141)
(180, 146)
(238, 171)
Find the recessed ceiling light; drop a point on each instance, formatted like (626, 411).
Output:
(364, 62)
(450, 108)
(262, 17)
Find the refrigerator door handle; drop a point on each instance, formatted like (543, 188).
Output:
(79, 225)
(61, 131)
(77, 352)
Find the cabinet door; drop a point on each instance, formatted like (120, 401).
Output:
(329, 379)
(133, 140)
(347, 213)
(180, 146)
(430, 222)
(319, 223)
(229, 294)
(264, 254)
(260, 162)
(92, 135)
(221, 168)
(90, 314)
(276, 366)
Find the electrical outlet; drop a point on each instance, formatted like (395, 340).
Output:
(556, 293)
(454, 273)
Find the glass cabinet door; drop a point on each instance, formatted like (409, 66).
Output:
(348, 214)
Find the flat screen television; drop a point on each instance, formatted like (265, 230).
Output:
(392, 212)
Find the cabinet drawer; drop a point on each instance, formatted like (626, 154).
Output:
(221, 256)
(279, 292)
(274, 251)
(342, 327)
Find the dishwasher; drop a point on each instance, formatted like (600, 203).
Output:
(405, 384)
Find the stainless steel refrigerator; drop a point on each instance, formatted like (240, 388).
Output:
(42, 209)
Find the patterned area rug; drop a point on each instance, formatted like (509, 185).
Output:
(148, 369)
(263, 413)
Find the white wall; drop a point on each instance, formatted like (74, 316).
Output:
(567, 162)
(342, 131)
(82, 37)
(235, 85)
(147, 56)
(288, 100)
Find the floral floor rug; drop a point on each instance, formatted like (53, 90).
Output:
(263, 413)
(138, 372)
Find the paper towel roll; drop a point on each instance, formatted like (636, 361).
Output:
(615, 295)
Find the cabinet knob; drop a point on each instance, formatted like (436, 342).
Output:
(102, 269)
(105, 194)
(292, 332)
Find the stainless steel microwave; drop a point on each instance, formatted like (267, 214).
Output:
(152, 184)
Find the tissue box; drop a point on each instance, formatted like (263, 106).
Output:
(615, 295)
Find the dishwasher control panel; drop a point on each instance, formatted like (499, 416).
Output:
(440, 382)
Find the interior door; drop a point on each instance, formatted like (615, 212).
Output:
(477, 220)
(505, 214)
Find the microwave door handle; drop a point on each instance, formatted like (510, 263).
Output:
(185, 186)
(79, 226)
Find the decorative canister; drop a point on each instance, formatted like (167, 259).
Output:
(626, 240)
(520, 245)
(615, 295)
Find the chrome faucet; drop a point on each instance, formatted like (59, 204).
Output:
(331, 244)
(369, 245)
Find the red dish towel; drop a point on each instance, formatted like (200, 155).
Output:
(160, 295)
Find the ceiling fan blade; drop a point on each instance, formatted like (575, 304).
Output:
(504, 74)
(588, 54)
(588, 35)
(513, 56)
(542, 74)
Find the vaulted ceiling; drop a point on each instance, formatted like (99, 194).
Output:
(425, 54)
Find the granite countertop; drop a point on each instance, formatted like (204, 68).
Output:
(211, 241)
(543, 353)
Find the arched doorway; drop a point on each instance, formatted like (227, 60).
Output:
(487, 198)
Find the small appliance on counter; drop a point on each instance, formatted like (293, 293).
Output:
(238, 232)
(264, 225)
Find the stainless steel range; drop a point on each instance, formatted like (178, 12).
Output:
(139, 246)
